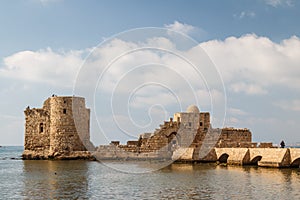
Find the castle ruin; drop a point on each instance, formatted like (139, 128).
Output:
(187, 136)
(59, 130)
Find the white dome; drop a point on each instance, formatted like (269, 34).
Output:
(193, 109)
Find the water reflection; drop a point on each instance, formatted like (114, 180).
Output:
(55, 179)
(93, 180)
(236, 182)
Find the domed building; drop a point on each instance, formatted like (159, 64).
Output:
(193, 118)
(193, 109)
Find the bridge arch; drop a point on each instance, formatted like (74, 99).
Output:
(255, 160)
(223, 158)
(296, 162)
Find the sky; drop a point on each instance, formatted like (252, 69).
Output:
(247, 54)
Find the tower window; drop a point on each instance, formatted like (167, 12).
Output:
(65, 111)
(41, 127)
(190, 123)
(201, 124)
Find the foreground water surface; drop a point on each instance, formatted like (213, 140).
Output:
(94, 180)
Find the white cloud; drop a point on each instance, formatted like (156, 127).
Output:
(46, 2)
(253, 64)
(196, 33)
(276, 3)
(250, 89)
(181, 27)
(236, 112)
(249, 65)
(231, 121)
(245, 14)
(46, 66)
(289, 105)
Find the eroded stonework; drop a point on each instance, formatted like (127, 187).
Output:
(59, 130)
(187, 136)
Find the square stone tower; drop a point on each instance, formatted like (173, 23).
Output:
(59, 129)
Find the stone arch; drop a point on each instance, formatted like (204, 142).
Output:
(296, 162)
(223, 158)
(174, 140)
(255, 160)
(170, 131)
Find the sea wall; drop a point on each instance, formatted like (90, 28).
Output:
(114, 152)
(263, 157)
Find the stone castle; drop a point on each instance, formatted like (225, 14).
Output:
(59, 130)
(188, 132)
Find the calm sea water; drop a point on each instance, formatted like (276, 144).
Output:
(93, 180)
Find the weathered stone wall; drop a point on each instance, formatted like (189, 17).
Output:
(37, 131)
(161, 138)
(265, 145)
(124, 152)
(232, 137)
(264, 157)
(189, 130)
(60, 128)
(63, 130)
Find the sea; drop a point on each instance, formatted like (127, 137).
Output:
(41, 179)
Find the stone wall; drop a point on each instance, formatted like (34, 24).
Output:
(65, 135)
(59, 128)
(37, 131)
(263, 157)
(232, 137)
(190, 131)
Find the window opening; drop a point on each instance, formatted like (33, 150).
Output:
(41, 127)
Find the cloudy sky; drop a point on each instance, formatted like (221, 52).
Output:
(239, 60)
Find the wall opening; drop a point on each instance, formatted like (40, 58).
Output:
(255, 160)
(296, 163)
(173, 141)
(223, 158)
(201, 124)
(65, 111)
(41, 128)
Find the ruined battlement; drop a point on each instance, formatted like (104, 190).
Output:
(58, 129)
(189, 131)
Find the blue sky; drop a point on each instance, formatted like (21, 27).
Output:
(253, 43)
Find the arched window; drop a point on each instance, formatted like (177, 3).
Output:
(65, 111)
(41, 127)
